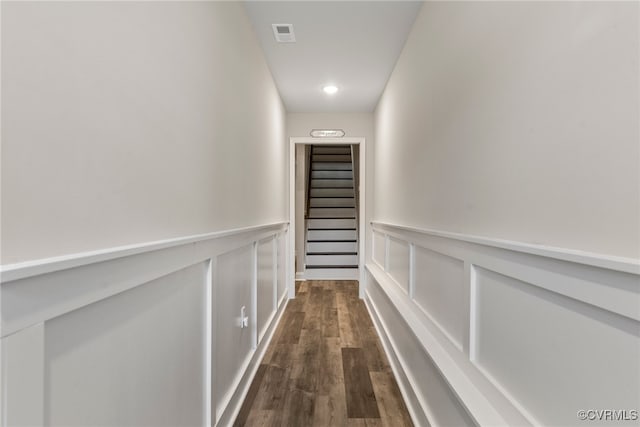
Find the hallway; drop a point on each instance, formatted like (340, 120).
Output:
(159, 204)
(325, 366)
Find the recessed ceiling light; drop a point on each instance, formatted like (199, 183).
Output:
(330, 89)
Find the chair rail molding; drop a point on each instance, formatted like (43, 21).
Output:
(504, 333)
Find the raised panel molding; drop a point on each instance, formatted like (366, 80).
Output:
(60, 316)
(519, 334)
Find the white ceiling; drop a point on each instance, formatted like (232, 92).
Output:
(351, 44)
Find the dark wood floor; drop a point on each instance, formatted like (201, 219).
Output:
(325, 366)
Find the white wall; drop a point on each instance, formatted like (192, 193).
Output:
(506, 235)
(516, 120)
(127, 122)
(354, 125)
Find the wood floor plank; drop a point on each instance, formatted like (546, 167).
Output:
(272, 392)
(298, 408)
(307, 368)
(347, 334)
(292, 329)
(330, 372)
(361, 400)
(245, 409)
(393, 411)
(262, 418)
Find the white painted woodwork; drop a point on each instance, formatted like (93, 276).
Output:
(332, 235)
(332, 183)
(22, 400)
(281, 267)
(332, 260)
(332, 212)
(518, 334)
(434, 402)
(342, 166)
(553, 353)
(141, 335)
(398, 263)
(331, 174)
(332, 223)
(440, 291)
(266, 285)
(331, 192)
(332, 247)
(324, 174)
(343, 202)
(331, 158)
(120, 360)
(379, 248)
(233, 343)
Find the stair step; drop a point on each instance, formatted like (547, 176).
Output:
(331, 149)
(331, 158)
(328, 166)
(333, 260)
(331, 235)
(332, 174)
(332, 213)
(325, 202)
(332, 183)
(330, 223)
(332, 247)
(332, 192)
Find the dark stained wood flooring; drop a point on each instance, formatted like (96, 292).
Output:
(324, 366)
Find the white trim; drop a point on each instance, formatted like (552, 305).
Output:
(469, 396)
(626, 265)
(11, 272)
(361, 142)
(32, 297)
(606, 287)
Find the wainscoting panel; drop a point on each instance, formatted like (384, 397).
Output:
(440, 405)
(282, 267)
(233, 342)
(439, 291)
(528, 338)
(379, 249)
(266, 298)
(101, 359)
(398, 263)
(508, 333)
(148, 334)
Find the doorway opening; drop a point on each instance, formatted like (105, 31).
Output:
(326, 196)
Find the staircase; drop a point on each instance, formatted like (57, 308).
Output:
(331, 224)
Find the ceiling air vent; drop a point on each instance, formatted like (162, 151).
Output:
(284, 33)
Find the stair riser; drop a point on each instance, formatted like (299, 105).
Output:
(333, 203)
(332, 235)
(332, 213)
(323, 183)
(327, 247)
(331, 174)
(331, 166)
(331, 158)
(333, 260)
(331, 192)
(331, 223)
